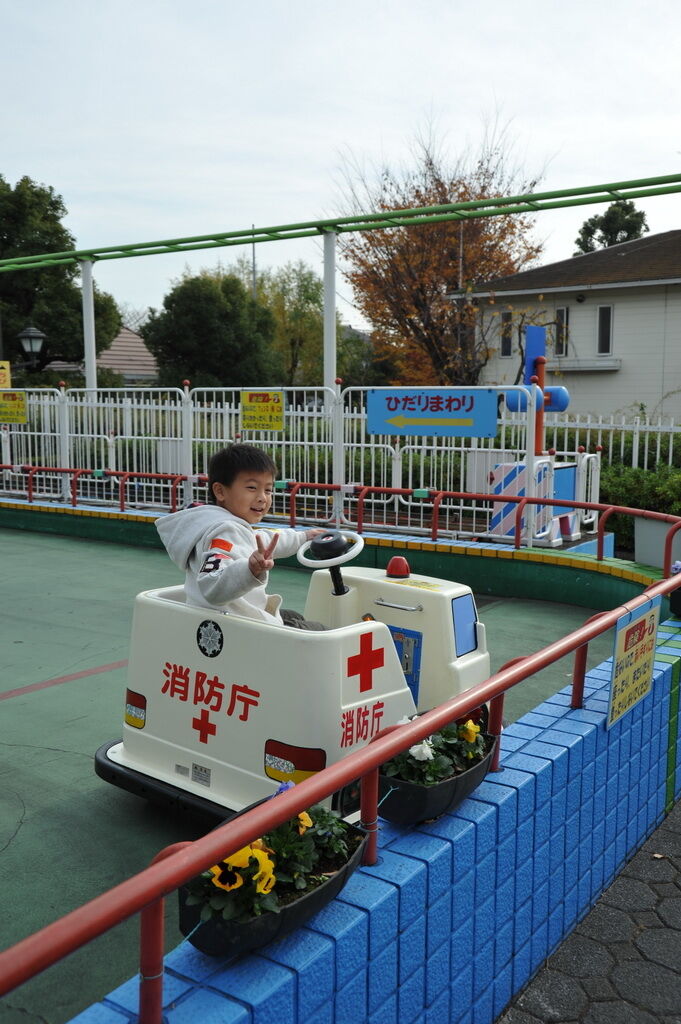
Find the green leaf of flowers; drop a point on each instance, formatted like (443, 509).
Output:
(206, 912)
(218, 901)
(458, 757)
(230, 911)
(441, 763)
(270, 902)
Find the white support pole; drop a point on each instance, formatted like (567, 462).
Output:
(338, 450)
(333, 405)
(90, 350)
(64, 440)
(187, 445)
(330, 309)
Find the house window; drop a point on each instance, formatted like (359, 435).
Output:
(506, 347)
(562, 329)
(605, 330)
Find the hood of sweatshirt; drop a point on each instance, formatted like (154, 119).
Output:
(182, 531)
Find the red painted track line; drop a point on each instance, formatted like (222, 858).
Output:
(62, 679)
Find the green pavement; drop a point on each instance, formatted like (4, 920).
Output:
(65, 835)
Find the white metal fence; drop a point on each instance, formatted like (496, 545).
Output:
(324, 442)
(636, 442)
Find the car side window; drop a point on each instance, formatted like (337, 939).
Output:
(465, 624)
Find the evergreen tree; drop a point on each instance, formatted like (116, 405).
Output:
(211, 332)
(621, 222)
(48, 298)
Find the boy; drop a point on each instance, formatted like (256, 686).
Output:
(226, 562)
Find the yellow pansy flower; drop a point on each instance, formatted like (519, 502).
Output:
(305, 822)
(469, 731)
(240, 858)
(265, 881)
(264, 877)
(258, 844)
(225, 877)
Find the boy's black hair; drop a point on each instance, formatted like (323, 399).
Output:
(224, 466)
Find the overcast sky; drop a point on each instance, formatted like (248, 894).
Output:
(164, 118)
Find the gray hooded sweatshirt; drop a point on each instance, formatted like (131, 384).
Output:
(213, 546)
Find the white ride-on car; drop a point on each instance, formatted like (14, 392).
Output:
(219, 709)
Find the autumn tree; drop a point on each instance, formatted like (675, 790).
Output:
(49, 298)
(412, 283)
(621, 222)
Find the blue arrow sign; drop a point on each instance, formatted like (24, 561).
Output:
(438, 412)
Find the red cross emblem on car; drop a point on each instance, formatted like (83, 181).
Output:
(364, 663)
(204, 726)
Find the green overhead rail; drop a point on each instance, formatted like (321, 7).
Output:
(494, 207)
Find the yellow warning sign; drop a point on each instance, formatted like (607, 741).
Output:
(262, 410)
(5, 374)
(12, 407)
(633, 658)
(418, 583)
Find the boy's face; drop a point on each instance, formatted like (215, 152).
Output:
(249, 496)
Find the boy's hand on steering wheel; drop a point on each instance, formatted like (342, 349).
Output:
(261, 560)
(316, 531)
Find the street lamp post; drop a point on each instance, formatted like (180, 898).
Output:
(32, 342)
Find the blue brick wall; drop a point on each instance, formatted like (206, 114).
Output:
(457, 914)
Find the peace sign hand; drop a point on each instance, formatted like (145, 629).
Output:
(261, 560)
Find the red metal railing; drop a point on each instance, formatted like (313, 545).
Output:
(75, 475)
(152, 943)
(579, 668)
(607, 511)
(361, 492)
(175, 866)
(592, 506)
(123, 477)
(295, 487)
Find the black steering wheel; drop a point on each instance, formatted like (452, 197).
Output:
(329, 549)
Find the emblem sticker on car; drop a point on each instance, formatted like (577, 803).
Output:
(209, 638)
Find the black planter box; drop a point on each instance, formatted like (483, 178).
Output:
(409, 803)
(227, 939)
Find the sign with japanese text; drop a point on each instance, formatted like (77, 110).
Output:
(633, 658)
(262, 410)
(13, 407)
(360, 724)
(444, 412)
(212, 695)
(5, 374)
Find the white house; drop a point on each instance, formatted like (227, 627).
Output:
(614, 317)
